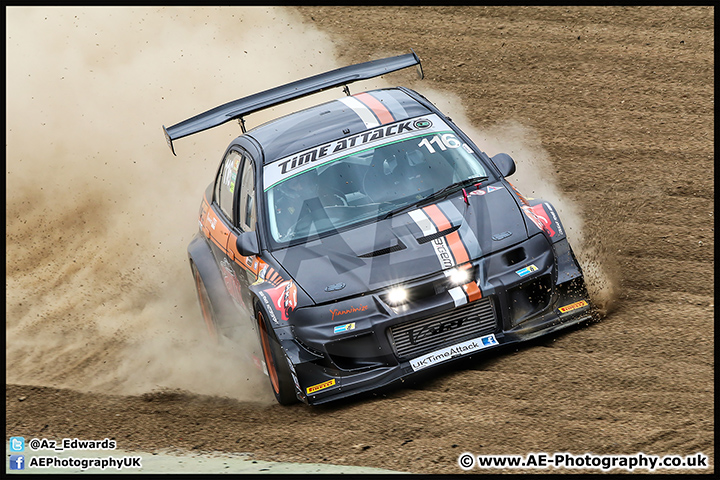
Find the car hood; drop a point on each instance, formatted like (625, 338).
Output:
(406, 246)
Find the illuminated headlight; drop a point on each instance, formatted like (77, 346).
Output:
(459, 276)
(397, 296)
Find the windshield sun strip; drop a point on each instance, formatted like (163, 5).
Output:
(273, 172)
(435, 132)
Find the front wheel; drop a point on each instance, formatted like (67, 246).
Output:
(277, 367)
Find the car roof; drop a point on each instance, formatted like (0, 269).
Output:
(333, 120)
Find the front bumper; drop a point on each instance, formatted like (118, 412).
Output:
(363, 343)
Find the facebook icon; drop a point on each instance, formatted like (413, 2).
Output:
(17, 462)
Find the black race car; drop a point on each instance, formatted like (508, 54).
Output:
(368, 238)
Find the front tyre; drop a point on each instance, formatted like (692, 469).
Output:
(277, 367)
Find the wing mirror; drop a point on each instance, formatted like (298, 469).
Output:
(247, 244)
(504, 163)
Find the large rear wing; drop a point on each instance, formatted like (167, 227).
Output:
(291, 91)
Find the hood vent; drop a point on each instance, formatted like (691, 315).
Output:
(432, 237)
(384, 251)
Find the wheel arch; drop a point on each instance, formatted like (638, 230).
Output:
(200, 256)
(553, 216)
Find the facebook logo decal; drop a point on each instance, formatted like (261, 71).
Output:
(17, 462)
(17, 444)
(489, 340)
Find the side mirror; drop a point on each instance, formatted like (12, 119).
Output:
(247, 244)
(504, 163)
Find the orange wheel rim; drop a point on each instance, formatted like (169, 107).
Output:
(272, 373)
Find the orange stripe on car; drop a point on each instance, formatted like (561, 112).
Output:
(442, 223)
(457, 247)
(382, 113)
(232, 249)
(216, 230)
(438, 218)
(473, 291)
(221, 236)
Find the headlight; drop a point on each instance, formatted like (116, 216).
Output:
(459, 276)
(397, 296)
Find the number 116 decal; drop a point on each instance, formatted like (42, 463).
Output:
(443, 142)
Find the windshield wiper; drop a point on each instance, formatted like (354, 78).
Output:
(444, 192)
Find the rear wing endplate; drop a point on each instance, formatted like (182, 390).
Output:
(291, 91)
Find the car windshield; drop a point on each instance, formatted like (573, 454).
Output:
(307, 196)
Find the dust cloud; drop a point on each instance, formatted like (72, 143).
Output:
(535, 178)
(99, 212)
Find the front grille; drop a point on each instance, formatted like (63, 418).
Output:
(423, 336)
